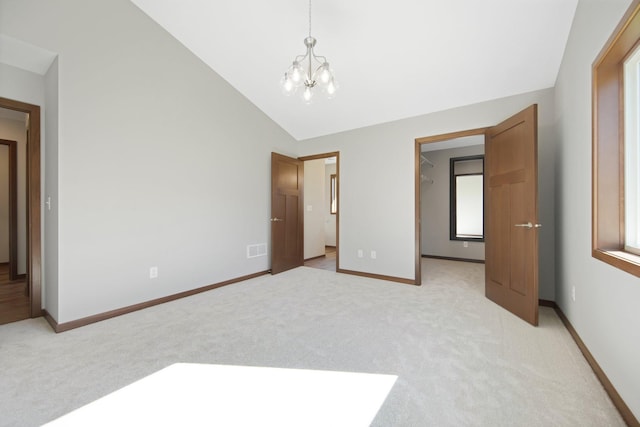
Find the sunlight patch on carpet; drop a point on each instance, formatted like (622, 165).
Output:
(199, 394)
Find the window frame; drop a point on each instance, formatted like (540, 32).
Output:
(453, 220)
(608, 226)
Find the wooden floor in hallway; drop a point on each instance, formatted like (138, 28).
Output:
(326, 262)
(14, 299)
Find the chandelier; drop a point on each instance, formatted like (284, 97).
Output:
(308, 71)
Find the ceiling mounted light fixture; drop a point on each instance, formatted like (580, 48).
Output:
(309, 70)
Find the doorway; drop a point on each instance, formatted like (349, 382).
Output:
(9, 202)
(511, 225)
(321, 210)
(451, 214)
(423, 178)
(33, 263)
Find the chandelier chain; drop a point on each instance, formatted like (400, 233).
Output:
(309, 18)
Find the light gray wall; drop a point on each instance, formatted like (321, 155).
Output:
(50, 191)
(377, 210)
(152, 158)
(435, 203)
(606, 310)
(18, 84)
(313, 208)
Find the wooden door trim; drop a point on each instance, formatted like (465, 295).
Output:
(34, 239)
(451, 135)
(13, 207)
(335, 154)
(418, 184)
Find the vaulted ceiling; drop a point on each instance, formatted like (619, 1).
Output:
(393, 59)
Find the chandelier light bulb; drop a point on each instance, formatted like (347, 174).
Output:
(331, 87)
(287, 85)
(307, 94)
(296, 72)
(325, 73)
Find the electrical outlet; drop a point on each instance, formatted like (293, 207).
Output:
(360, 253)
(573, 293)
(373, 254)
(465, 244)
(153, 272)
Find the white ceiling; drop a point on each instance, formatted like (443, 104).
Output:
(393, 59)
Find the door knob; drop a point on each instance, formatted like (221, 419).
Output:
(276, 219)
(529, 225)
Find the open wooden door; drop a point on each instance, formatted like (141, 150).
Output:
(287, 215)
(511, 214)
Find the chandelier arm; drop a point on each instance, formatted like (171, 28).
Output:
(300, 58)
(319, 68)
(319, 58)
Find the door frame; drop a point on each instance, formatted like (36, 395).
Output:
(34, 215)
(335, 154)
(13, 206)
(418, 188)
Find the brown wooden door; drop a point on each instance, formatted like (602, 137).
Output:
(511, 214)
(287, 244)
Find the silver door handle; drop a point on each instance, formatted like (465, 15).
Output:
(276, 219)
(529, 225)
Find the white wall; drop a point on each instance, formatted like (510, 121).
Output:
(434, 199)
(50, 190)
(314, 196)
(329, 218)
(152, 155)
(377, 210)
(17, 84)
(605, 313)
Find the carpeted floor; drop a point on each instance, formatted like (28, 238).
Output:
(460, 359)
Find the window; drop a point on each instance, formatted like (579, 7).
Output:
(466, 198)
(616, 142)
(631, 153)
(333, 199)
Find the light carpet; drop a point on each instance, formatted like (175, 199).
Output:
(460, 359)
